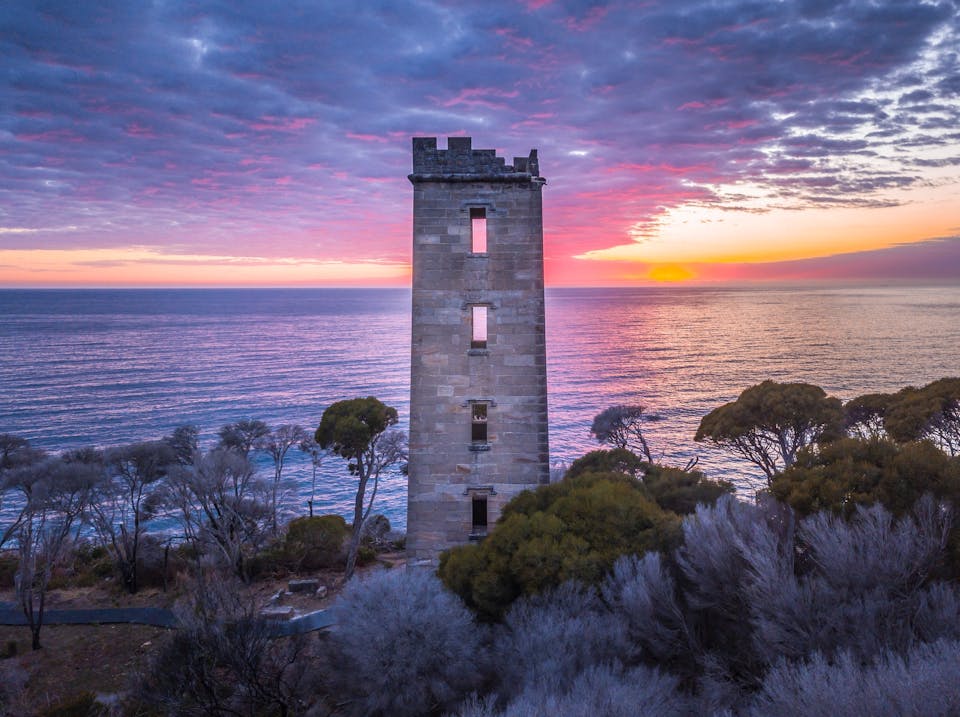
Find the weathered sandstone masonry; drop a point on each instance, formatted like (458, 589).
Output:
(478, 390)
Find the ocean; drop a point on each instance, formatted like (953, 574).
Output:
(108, 367)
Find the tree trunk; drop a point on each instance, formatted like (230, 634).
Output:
(357, 521)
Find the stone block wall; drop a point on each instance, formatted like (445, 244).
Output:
(447, 468)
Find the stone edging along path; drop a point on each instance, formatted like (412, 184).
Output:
(155, 616)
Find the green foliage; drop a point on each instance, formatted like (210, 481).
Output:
(671, 488)
(682, 491)
(931, 412)
(572, 530)
(770, 422)
(617, 460)
(347, 427)
(91, 565)
(316, 542)
(83, 704)
(8, 569)
(622, 427)
(863, 416)
(852, 472)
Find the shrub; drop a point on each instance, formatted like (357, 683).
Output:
(223, 659)
(713, 579)
(83, 704)
(851, 472)
(616, 460)
(374, 531)
(603, 690)
(547, 640)
(366, 555)
(158, 563)
(860, 586)
(13, 679)
(671, 488)
(572, 530)
(643, 596)
(926, 681)
(315, 542)
(402, 645)
(8, 568)
(682, 491)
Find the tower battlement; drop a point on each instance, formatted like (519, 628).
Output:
(460, 162)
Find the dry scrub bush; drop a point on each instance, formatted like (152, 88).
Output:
(925, 681)
(599, 690)
(402, 644)
(641, 594)
(864, 586)
(547, 640)
(223, 661)
(13, 678)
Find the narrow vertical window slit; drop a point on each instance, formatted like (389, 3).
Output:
(478, 334)
(478, 428)
(479, 514)
(478, 230)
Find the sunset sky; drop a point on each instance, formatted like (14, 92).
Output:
(212, 143)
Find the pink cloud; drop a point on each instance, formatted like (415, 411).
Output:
(53, 135)
(582, 24)
(704, 104)
(138, 130)
(367, 138)
(269, 123)
(478, 96)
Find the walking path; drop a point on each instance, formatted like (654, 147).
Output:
(11, 614)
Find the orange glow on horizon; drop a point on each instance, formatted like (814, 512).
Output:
(136, 266)
(670, 273)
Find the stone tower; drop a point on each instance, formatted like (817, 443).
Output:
(478, 389)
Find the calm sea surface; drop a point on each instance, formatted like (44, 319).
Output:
(107, 367)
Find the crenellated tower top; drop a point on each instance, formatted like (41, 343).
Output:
(460, 162)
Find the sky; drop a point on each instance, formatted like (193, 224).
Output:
(165, 143)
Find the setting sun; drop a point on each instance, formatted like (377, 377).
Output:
(670, 273)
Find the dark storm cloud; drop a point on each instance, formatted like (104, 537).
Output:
(226, 127)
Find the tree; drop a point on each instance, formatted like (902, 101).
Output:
(622, 427)
(770, 422)
(931, 412)
(618, 460)
(243, 435)
(309, 446)
(673, 489)
(127, 499)
(357, 431)
(14, 452)
(863, 416)
(277, 443)
(681, 491)
(222, 506)
(185, 442)
(851, 472)
(55, 494)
